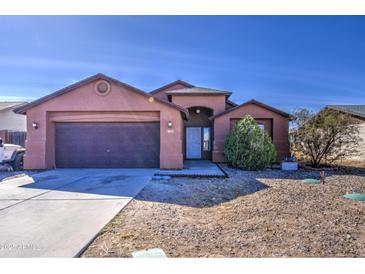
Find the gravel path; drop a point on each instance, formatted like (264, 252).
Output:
(250, 214)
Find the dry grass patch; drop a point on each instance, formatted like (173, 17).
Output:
(250, 214)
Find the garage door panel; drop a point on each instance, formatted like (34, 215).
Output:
(107, 144)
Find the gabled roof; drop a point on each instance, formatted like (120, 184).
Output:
(282, 113)
(99, 76)
(198, 91)
(356, 110)
(172, 84)
(10, 105)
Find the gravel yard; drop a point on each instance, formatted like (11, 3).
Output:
(251, 214)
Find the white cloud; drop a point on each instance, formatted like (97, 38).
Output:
(16, 98)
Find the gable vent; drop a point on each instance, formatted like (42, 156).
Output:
(102, 87)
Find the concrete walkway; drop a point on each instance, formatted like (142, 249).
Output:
(57, 213)
(195, 168)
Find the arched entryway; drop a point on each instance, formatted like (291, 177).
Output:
(199, 134)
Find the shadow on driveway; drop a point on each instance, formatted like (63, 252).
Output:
(104, 184)
(110, 182)
(198, 193)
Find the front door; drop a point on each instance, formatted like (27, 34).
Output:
(193, 143)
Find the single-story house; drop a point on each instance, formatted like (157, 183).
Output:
(103, 122)
(357, 112)
(10, 120)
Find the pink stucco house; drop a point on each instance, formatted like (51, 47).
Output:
(102, 122)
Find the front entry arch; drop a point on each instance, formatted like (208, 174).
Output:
(198, 134)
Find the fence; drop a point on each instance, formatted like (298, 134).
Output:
(14, 137)
(4, 135)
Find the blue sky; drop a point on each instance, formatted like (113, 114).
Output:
(287, 62)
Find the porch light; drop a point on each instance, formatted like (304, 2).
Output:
(169, 124)
(35, 125)
(198, 110)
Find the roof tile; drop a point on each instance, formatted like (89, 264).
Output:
(358, 110)
(198, 90)
(10, 105)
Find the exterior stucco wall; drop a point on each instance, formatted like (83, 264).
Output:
(361, 146)
(222, 126)
(215, 102)
(12, 121)
(85, 105)
(162, 93)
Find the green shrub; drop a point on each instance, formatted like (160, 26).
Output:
(248, 147)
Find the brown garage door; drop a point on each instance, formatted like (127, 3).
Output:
(107, 145)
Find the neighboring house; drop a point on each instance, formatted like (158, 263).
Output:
(10, 120)
(358, 113)
(102, 122)
(12, 125)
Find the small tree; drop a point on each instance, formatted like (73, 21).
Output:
(325, 137)
(248, 147)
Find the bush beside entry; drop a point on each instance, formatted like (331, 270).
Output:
(248, 147)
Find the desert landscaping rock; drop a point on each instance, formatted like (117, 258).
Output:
(250, 214)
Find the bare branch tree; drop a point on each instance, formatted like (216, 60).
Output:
(325, 137)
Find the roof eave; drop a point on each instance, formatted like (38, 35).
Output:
(199, 93)
(10, 108)
(282, 113)
(6, 105)
(229, 102)
(23, 109)
(188, 85)
(358, 115)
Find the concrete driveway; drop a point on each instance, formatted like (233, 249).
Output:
(57, 213)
